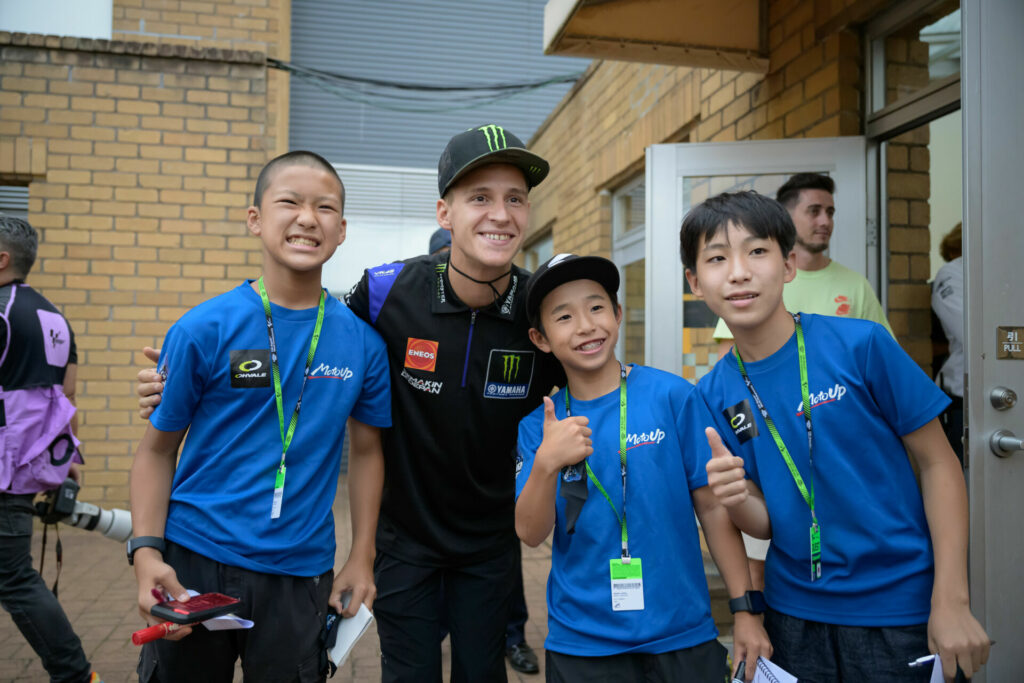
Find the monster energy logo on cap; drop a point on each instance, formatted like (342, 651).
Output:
(495, 137)
(487, 144)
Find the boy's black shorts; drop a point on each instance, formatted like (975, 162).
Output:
(704, 663)
(815, 652)
(284, 646)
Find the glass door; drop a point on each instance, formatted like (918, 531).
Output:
(677, 326)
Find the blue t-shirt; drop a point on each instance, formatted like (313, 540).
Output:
(219, 385)
(660, 521)
(865, 394)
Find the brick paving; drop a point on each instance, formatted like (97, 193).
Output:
(97, 589)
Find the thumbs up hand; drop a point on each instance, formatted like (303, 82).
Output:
(725, 472)
(565, 442)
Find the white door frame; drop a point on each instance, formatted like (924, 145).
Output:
(993, 97)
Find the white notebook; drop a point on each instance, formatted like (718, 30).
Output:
(771, 673)
(350, 630)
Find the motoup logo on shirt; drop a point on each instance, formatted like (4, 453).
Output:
(833, 393)
(327, 371)
(654, 436)
(250, 368)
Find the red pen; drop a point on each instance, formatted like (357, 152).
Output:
(151, 633)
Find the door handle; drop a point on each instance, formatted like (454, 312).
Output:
(1004, 443)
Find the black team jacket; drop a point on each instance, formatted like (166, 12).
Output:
(461, 380)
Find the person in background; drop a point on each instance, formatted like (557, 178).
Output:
(440, 242)
(38, 366)
(948, 304)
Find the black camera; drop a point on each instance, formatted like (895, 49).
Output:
(62, 505)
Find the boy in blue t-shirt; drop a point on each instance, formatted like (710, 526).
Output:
(627, 596)
(246, 509)
(865, 572)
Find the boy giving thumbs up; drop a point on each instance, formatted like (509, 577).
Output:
(601, 463)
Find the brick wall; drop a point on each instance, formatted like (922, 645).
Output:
(140, 161)
(908, 188)
(596, 139)
(251, 25)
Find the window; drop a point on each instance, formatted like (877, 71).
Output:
(913, 66)
(14, 201)
(539, 251)
(628, 208)
(629, 214)
(78, 18)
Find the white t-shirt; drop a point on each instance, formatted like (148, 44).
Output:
(948, 304)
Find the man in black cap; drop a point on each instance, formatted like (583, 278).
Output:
(463, 373)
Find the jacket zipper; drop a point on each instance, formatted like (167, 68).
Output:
(469, 343)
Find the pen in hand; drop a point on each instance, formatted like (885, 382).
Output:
(741, 672)
(927, 659)
(156, 631)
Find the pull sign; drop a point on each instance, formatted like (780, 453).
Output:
(1009, 343)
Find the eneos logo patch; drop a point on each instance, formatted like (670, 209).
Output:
(421, 354)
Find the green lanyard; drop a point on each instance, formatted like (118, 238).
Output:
(286, 437)
(622, 461)
(808, 495)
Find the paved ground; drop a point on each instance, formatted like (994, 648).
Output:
(97, 589)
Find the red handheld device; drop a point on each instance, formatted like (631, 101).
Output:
(198, 608)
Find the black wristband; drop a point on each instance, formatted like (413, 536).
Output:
(751, 601)
(144, 542)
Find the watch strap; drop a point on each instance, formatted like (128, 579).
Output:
(144, 542)
(751, 601)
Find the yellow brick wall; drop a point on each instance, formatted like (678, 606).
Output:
(252, 25)
(908, 188)
(595, 139)
(139, 168)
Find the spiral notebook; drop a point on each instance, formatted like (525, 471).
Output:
(771, 673)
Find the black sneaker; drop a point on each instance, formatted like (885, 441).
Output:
(522, 658)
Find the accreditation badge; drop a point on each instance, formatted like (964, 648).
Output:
(627, 585)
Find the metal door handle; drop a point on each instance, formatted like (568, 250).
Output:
(1004, 443)
(1003, 398)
